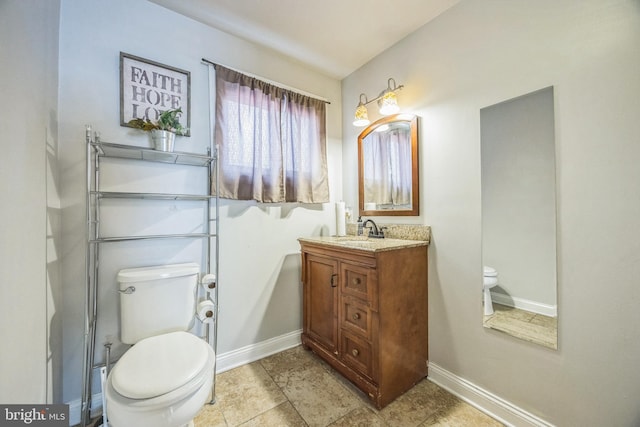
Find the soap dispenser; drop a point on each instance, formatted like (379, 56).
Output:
(360, 228)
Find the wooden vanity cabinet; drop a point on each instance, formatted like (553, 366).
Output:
(365, 314)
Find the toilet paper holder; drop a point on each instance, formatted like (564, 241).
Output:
(208, 281)
(206, 311)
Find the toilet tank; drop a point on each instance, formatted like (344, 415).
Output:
(156, 300)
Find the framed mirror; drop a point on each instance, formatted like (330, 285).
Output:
(519, 217)
(388, 167)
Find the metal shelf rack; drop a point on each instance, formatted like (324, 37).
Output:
(98, 150)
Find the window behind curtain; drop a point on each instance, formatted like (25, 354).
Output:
(272, 141)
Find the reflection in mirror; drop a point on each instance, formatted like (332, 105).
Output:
(388, 167)
(519, 217)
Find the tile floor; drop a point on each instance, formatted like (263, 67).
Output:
(532, 327)
(296, 388)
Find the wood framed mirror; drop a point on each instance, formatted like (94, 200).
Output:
(388, 167)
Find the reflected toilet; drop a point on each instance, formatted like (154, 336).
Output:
(490, 280)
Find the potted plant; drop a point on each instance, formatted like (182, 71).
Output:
(164, 130)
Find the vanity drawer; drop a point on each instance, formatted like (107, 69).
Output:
(359, 282)
(357, 354)
(356, 317)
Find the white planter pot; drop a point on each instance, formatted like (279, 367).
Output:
(163, 140)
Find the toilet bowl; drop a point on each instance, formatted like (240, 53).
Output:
(490, 280)
(161, 381)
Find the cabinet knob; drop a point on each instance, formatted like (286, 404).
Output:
(356, 281)
(356, 316)
(355, 352)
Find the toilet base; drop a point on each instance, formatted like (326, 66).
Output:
(178, 415)
(124, 412)
(488, 304)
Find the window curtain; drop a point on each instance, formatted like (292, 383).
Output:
(272, 141)
(386, 182)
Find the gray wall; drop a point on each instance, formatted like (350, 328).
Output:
(483, 52)
(259, 278)
(30, 299)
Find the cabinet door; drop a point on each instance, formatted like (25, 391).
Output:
(321, 301)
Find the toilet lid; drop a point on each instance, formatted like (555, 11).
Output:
(157, 365)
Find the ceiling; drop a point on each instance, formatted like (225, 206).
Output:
(336, 37)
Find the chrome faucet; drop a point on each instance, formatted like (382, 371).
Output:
(374, 231)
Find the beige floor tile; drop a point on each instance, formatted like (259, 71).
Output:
(525, 325)
(360, 417)
(245, 392)
(296, 388)
(460, 414)
(316, 395)
(361, 395)
(545, 321)
(512, 313)
(210, 416)
(293, 359)
(280, 416)
(416, 405)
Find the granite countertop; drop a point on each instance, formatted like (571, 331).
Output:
(364, 243)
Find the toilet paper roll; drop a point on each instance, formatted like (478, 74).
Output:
(341, 219)
(208, 282)
(206, 311)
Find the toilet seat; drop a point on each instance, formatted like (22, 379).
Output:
(159, 365)
(489, 272)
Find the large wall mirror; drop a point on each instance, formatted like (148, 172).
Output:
(388, 167)
(519, 217)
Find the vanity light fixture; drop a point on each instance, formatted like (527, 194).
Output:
(387, 104)
(362, 115)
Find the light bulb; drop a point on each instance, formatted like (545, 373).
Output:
(361, 116)
(389, 103)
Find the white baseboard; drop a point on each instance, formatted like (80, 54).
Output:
(224, 362)
(487, 402)
(75, 408)
(253, 352)
(524, 304)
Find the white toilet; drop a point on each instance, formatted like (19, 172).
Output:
(165, 378)
(490, 280)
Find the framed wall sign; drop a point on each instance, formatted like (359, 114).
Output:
(147, 88)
